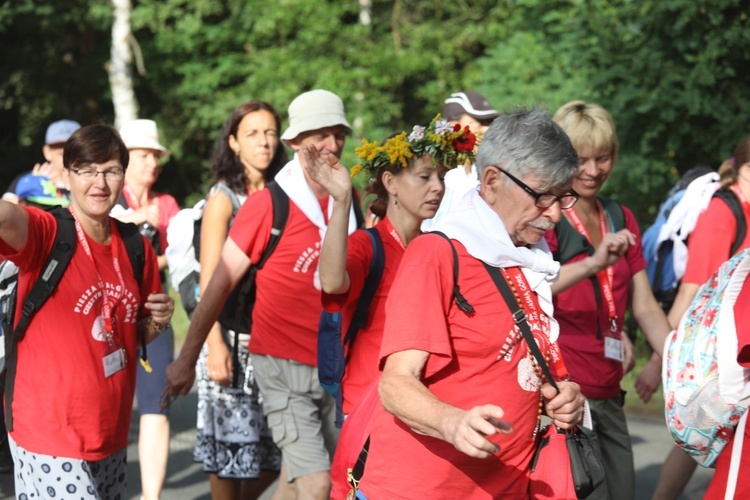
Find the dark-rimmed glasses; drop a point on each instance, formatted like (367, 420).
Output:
(88, 174)
(545, 200)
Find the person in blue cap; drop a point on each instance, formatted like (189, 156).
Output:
(54, 139)
(39, 191)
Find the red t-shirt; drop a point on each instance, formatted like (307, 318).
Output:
(362, 366)
(711, 241)
(168, 208)
(578, 312)
(63, 405)
(287, 300)
(473, 360)
(719, 482)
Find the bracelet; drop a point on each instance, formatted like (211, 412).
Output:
(153, 326)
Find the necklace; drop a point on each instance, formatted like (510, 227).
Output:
(537, 368)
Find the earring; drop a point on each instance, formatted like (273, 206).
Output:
(395, 200)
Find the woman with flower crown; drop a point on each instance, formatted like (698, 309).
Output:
(406, 177)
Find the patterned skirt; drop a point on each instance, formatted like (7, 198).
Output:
(233, 440)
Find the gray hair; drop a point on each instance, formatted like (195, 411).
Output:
(525, 142)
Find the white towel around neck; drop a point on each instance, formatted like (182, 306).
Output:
(479, 228)
(293, 182)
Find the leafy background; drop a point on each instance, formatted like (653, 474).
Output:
(674, 73)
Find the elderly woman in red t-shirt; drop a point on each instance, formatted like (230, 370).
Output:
(407, 190)
(76, 363)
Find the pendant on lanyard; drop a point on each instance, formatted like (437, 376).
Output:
(613, 347)
(114, 358)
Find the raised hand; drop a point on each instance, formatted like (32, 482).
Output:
(327, 171)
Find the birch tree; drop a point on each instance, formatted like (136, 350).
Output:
(120, 64)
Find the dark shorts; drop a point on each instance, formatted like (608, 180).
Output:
(150, 386)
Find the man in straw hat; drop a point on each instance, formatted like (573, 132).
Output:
(151, 211)
(287, 309)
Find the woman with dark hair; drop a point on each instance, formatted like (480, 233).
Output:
(407, 191)
(78, 356)
(233, 441)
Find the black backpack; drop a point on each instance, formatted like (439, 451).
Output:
(52, 272)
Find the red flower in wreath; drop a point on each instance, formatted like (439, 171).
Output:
(464, 143)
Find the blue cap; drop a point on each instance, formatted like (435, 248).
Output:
(40, 190)
(60, 131)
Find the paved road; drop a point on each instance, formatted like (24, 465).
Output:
(185, 481)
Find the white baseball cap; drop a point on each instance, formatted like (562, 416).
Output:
(142, 134)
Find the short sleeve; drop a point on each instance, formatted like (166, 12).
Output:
(634, 255)
(710, 242)
(42, 228)
(419, 301)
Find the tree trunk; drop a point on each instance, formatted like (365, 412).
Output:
(119, 66)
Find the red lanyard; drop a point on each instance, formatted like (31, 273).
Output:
(108, 304)
(605, 277)
(533, 315)
(130, 197)
(392, 231)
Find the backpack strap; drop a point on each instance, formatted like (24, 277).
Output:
(280, 203)
(372, 281)
(57, 262)
(133, 246)
(133, 242)
(615, 212)
(730, 198)
(461, 301)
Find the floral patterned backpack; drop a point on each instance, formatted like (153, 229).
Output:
(706, 391)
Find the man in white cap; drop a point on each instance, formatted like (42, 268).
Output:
(287, 309)
(467, 109)
(151, 212)
(54, 139)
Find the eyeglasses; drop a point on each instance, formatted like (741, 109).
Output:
(89, 174)
(545, 200)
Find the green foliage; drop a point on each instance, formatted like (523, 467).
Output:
(672, 72)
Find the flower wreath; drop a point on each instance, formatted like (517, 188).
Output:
(447, 144)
